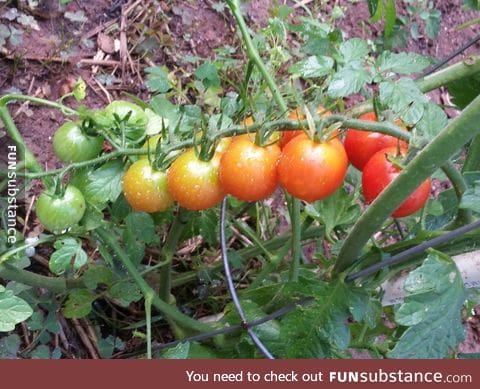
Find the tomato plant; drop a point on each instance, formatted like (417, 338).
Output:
(195, 183)
(361, 145)
(380, 171)
(311, 170)
(249, 171)
(146, 188)
(319, 259)
(72, 144)
(57, 212)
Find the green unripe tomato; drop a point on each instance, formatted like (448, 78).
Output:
(138, 117)
(71, 144)
(57, 213)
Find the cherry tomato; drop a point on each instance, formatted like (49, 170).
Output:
(194, 183)
(361, 145)
(59, 212)
(380, 171)
(146, 188)
(287, 136)
(249, 171)
(71, 144)
(311, 170)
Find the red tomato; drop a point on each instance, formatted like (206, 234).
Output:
(287, 136)
(361, 145)
(248, 171)
(379, 172)
(195, 183)
(145, 188)
(311, 170)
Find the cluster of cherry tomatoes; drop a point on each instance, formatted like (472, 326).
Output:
(306, 168)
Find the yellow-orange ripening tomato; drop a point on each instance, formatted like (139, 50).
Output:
(249, 171)
(311, 170)
(287, 136)
(145, 188)
(194, 183)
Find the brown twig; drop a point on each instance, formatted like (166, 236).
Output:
(85, 339)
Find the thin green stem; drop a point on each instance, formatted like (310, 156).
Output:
(168, 310)
(4, 100)
(464, 216)
(6, 255)
(254, 56)
(54, 284)
(30, 161)
(167, 253)
(296, 239)
(148, 319)
(453, 137)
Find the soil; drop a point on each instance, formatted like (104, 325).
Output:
(50, 57)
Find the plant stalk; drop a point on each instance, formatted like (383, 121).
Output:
(167, 309)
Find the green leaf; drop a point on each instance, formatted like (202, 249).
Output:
(432, 20)
(471, 198)
(204, 223)
(68, 253)
(9, 346)
(143, 227)
(402, 63)
(463, 91)
(472, 4)
(208, 74)
(449, 204)
(125, 292)
(317, 330)
(375, 7)
(432, 310)
(336, 210)
(348, 80)
(404, 97)
(355, 49)
(390, 17)
(157, 79)
(313, 66)
(433, 121)
(134, 248)
(13, 310)
(106, 346)
(97, 274)
(268, 333)
(101, 185)
(79, 304)
(180, 351)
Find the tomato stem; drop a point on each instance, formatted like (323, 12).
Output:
(296, 238)
(167, 252)
(168, 310)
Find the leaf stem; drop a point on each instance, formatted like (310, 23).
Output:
(254, 56)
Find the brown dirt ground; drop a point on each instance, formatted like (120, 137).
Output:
(184, 28)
